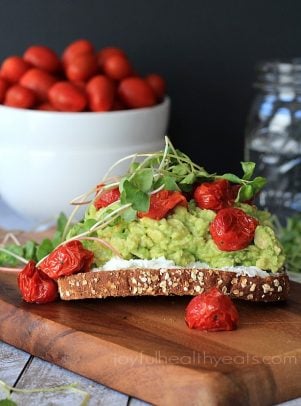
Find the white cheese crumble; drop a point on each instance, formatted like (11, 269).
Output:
(116, 263)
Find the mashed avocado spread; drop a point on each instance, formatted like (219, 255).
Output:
(184, 237)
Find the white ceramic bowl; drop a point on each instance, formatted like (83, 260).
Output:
(48, 158)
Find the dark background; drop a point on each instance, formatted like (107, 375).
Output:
(206, 50)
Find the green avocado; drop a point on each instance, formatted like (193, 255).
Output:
(184, 237)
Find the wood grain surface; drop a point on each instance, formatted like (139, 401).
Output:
(141, 346)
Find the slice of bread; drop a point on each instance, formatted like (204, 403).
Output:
(155, 282)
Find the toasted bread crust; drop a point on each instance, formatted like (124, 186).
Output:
(156, 282)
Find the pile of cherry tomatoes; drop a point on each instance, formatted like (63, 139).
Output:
(81, 80)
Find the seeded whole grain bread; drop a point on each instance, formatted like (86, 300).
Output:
(156, 282)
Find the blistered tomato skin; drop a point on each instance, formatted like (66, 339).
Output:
(42, 57)
(232, 229)
(67, 259)
(35, 286)
(65, 96)
(106, 197)
(212, 311)
(100, 91)
(13, 68)
(20, 97)
(135, 92)
(162, 203)
(39, 82)
(214, 195)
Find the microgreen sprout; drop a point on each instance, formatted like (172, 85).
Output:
(63, 388)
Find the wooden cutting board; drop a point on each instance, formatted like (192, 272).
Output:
(141, 346)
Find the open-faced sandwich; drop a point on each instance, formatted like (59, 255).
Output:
(167, 227)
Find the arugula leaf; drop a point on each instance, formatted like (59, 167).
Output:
(44, 248)
(29, 250)
(189, 179)
(61, 223)
(168, 182)
(143, 179)
(7, 402)
(8, 260)
(248, 169)
(131, 194)
(231, 178)
(246, 192)
(290, 237)
(258, 183)
(129, 214)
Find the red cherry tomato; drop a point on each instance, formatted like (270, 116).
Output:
(65, 96)
(118, 105)
(43, 58)
(13, 68)
(106, 52)
(162, 203)
(35, 286)
(157, 83)
(81, 67)
(232, 229)
(211, 311)
(135, 92)
(100, 91)
(19, 96)
(3, 88)
(106, 197)
(80, 46)
(38, 81)
(214, 195)
(117, 67)
(67, 259)
(46, 107)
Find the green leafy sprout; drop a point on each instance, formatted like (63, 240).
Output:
(290, 237)
(8, 390)
(148, 173)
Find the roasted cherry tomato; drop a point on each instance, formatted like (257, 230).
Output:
(158, 84)
(13, 68)
(80, 46)
(100, 91)
(81, 67)
(211, 311)
(43, 58)
(214, 195)
(106, 197)
(135, 92)
(3, 88)
(35, 286)
(232, 229)
(161, 203)
(117, 67)
(67, 259)
(39, 82)
(19, 96)
(65, 96)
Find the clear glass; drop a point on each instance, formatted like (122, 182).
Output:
(273, 135)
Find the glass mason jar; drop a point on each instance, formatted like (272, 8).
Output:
(273, 135)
